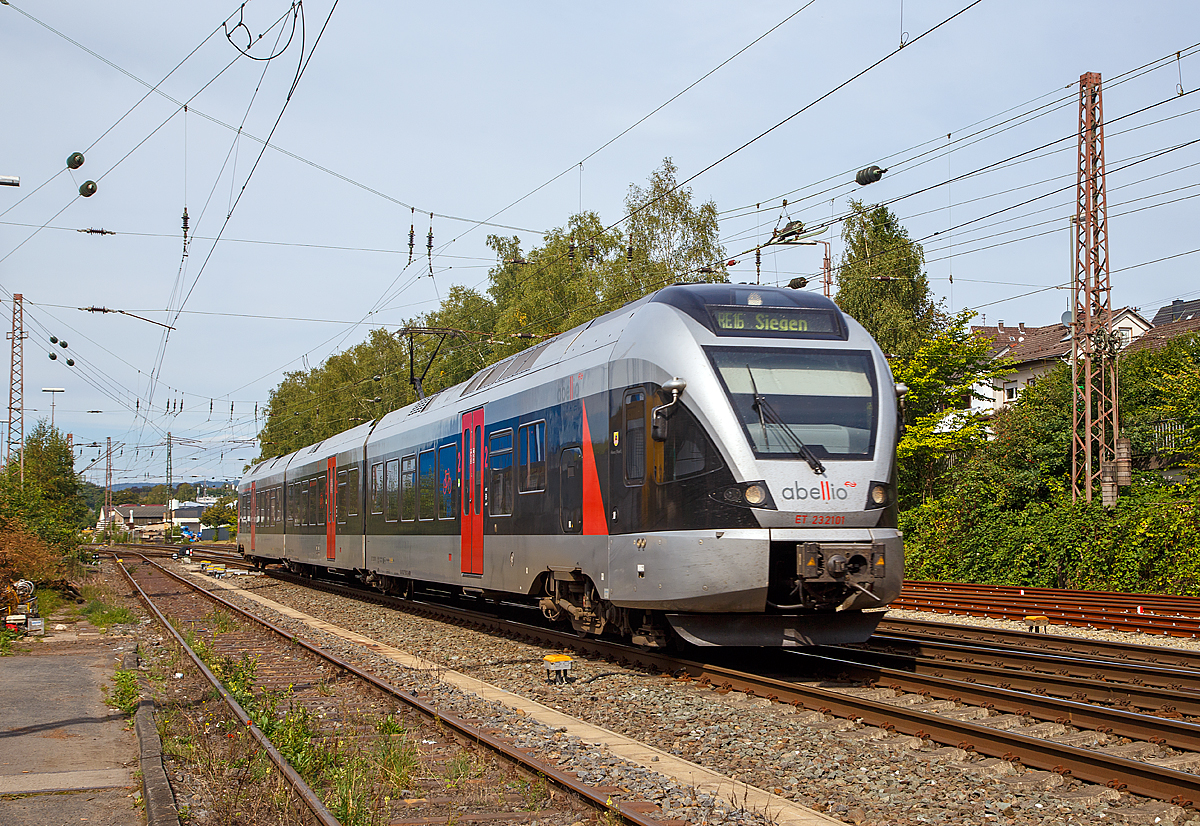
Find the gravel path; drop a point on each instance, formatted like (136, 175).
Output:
(859, 775)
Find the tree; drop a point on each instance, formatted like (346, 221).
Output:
(224, 512)
(943, 376)
(186, 492)
(881, 283)
(580, 271)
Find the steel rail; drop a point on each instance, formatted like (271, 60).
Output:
(1146, 779)
(1042, 663)
(1164, 701)
(305, 792)
(996, 607)
(626, 809)
(1122, 599)
(961, 689)
(1025, 640)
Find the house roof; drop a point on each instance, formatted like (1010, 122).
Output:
(1162, 333)
(1177, 310)
(142, 511)
(1022, 344)
(1025, 344)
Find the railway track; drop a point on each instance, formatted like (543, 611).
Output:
(1030, 727)
(1147, 613)
(467, 772)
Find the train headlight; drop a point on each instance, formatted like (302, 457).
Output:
(756, 494)
(879, 494)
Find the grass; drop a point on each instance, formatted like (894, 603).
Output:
(125, 694)
(7, 638)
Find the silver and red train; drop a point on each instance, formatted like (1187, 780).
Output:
(713, 461)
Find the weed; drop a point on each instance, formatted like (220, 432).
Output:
(462, 766)
(7, 638)
(125, 695)
(397, 760)
(102, 614)
(220, 622)
(389, 726)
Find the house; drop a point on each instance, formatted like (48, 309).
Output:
(1037, 350)
(1162, 333)
(1177, 310)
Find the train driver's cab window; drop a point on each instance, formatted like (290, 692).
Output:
(634, 446)
(500, 457)
(531, 457)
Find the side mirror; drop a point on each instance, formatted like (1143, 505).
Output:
(658, 425)
(658, 418)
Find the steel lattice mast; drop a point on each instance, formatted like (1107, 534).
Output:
(16, 384)
(1094, 402)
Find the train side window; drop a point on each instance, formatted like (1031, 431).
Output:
(570, 490)
(352, 491)
(408, 489)
(303, 505)
(392, 506)
(500, 457)
(635, 437)
(321, 499)
(427, 485)
(531, 457)
(448, 466)
(377, 487)
(340, 502)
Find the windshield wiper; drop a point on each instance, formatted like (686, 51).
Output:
(767, 413)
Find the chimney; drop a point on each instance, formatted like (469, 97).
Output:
(1175, 309)
(1000, 325)
(1021, 327)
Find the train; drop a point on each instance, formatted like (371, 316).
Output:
(713, 463)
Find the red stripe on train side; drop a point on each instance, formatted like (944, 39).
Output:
(595, 520)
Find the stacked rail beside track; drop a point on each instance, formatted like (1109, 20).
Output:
(1105, 610)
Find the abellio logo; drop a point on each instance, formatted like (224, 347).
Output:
(825, 492)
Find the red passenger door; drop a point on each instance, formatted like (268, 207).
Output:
(472, 475)
(331, 509)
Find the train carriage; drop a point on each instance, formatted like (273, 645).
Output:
(712, 461)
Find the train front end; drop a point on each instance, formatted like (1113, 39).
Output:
(789, 537)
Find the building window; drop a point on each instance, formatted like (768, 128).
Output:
(1011, 391)
(1124, 336)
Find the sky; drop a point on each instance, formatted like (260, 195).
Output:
(490, 116)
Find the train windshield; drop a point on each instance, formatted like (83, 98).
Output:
(824, 399)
